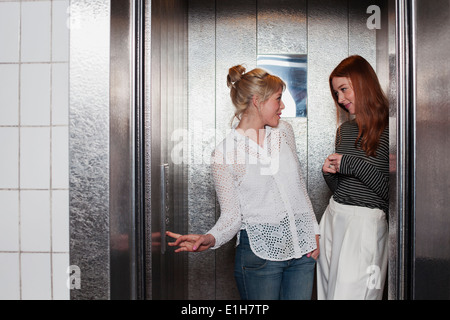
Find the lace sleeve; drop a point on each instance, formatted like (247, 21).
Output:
(229, 223)
(290, 140)
(290, 136)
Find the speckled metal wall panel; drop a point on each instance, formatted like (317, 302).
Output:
(201, 117)
(89, 147)
(361, 39)
(282, 27)
(300, 127)
(327, 46)
(235, 44)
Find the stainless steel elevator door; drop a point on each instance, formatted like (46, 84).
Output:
(166, 93)
(431, 264)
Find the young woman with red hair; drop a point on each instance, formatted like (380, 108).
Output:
(353, 259)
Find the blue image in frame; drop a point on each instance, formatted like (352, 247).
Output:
(293, 70)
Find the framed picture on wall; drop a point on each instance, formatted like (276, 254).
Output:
(293, 70)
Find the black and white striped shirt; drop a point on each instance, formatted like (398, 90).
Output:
(362, 181)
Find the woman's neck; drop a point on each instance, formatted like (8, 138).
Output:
(252, 127)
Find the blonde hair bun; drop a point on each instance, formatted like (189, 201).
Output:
(235, 74)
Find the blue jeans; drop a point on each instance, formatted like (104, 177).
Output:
(260, 279)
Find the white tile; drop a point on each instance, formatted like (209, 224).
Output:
(9, 159)
(35, 158)
(9, 276)
(36, 276)
(36, 31)
(60, 31)
(60, 220)
(35, 220)
(9, 220)
(9, 93)
(60, 94)
(60, 276)
(60, 157)
(35, 94)
(9, 31)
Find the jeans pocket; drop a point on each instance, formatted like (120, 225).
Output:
(251, 261)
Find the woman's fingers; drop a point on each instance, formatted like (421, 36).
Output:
(328, 166)
(313, 254)
(197, 244)
(182, 245)
(191, 242)
(335, 159)
(182, 248)
(178, 238)
(185, 242)
(173, 235)
(328, 169)
(332, 163)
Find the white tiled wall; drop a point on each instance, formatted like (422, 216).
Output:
(34, 182)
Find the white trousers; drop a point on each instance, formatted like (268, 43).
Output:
(352, 263)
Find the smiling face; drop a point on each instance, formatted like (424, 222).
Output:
(271, 109)
(342, 87)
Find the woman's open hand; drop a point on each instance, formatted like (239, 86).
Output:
(191, 242)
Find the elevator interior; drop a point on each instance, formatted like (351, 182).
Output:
(193, 46)
(169, 106)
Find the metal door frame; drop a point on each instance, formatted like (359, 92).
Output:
(126, 213)
(400, 210)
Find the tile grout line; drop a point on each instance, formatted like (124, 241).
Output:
(19, 153)
(51, 151)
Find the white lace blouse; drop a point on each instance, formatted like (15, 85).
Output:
(260, 189)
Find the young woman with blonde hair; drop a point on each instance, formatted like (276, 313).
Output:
(262, 196)
(353, 259)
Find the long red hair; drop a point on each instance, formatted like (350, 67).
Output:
(371, 104)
